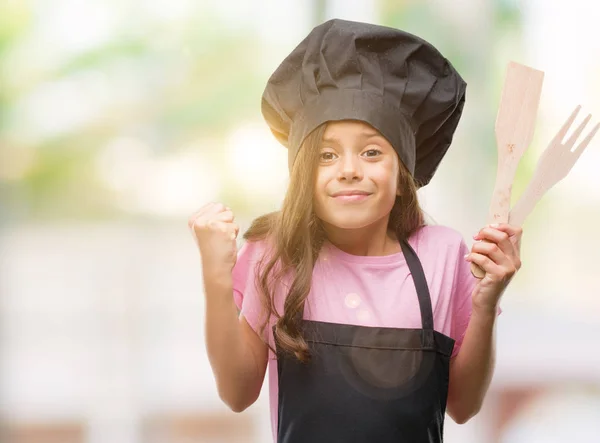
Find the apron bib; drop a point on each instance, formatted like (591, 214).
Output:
(367, 384)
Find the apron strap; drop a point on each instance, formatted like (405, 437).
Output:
(418, 276)
(420, 282)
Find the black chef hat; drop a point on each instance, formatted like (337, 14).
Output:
(394, 81)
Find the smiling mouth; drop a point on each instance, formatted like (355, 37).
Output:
(350, 198)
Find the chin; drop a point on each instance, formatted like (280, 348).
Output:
(352, 216)
(350, 222)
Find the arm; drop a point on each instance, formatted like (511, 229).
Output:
(237, 355)
(472, 369)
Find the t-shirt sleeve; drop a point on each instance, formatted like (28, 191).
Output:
(245, 292)
(464, 284)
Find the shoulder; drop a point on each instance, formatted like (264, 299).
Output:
(253, 251)
(434, 237)
(252, 257)
(246, 292)
(249, 254)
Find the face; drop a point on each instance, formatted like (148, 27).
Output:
(357, 176)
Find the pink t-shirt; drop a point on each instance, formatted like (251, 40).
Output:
(370, 290)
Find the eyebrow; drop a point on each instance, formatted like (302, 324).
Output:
(364, 136)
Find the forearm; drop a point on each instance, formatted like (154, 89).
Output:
(232, 363)
(473, 368)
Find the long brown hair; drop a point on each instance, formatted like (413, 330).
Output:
(296, 235)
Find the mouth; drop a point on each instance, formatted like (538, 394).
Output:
(350, 197)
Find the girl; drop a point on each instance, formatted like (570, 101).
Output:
(369, 321)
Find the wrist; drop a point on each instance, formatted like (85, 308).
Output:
(216, 273)
(217, 279)
(485, 311)
(218, 291)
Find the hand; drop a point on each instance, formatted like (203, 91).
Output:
(499, 257)
(215, 234)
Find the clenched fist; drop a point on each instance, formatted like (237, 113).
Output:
(215, 233)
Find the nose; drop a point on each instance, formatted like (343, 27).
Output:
(350, 168)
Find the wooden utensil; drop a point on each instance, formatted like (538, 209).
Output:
(515, 123)
(553, 165)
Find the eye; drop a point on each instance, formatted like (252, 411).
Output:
(326, 156)
(373, 152)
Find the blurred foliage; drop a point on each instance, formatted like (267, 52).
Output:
(193, 81)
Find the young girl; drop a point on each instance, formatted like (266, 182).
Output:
(370, 322)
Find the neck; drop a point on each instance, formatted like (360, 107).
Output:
(373, 240)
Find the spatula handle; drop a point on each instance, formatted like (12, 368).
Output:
(500, 204)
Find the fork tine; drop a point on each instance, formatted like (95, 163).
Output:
(577, 132)
(586, 141)
(565, 127)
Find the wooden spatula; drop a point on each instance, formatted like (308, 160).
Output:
(554, 164)
(515, 123)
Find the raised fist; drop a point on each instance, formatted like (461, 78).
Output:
(215, 234)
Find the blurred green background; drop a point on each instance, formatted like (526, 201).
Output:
(119, 119)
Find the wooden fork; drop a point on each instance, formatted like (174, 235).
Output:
(553, 165)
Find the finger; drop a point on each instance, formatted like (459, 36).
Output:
(510, 229)
(493, 271)
(193, 219)
(492, 251)
(515, 233)
(509, 246)
(231, 230)
(207, 210)
(486, 263)
(212, 208)
(198, 222)
(217, 226)
(215, 208)
(202, 221)
(497, 237)
(204, 209)
(225, 216)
